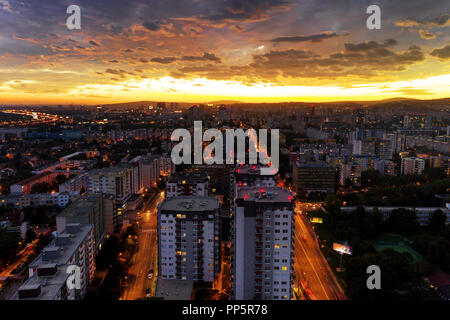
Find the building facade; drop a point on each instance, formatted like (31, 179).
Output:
(262, 244)
(188, 238)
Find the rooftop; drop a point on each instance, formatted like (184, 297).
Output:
(108, 170)
(317, 164)
(49, 285)
(63, 247)
(190, 203)
(188, 176)
(82, 205)
(265, 194)
(33, 178)
(174, 289)
(249, 170)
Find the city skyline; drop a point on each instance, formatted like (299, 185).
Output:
(198, 51)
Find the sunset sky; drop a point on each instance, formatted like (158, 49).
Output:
(206, 50)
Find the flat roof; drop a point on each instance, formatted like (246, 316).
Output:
(187, 175)
(174, 289)
(50, 285)
(109, 170)
(33, 178)
(82, 205)
(250, 170)
(317, 164)
(265, 194)
(67, 250)
(190, 203)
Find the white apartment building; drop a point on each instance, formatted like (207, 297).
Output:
(188, 238)
(48, 272)
(262, 244)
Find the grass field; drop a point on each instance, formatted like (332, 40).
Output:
(397, 243)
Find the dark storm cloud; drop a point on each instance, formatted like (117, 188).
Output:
(247, 10)
(94, 43)
(441, 53)
(152, 26)
(164, 60)
(368, 61)
(313, 37)
(370, 45)
(440, 21)
(206, 57)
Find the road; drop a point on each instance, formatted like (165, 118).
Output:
(313, 273)
(146, 256)
(21, 258)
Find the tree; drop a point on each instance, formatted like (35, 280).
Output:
(403, 221)
(9, 244)
(60, 178)
(437, 222)
(397, 271)
(43, 187)
(30, 236)
(333, 203)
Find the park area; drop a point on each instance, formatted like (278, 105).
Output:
(397, 243)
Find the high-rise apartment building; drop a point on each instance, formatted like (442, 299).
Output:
(188, 238)
(262, 244)
(187, 184)
(87, 210)
(115, 181)
(48, 272)
(250, 175)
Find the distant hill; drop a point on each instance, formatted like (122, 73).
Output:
(137, 104)
(224, 102)
(183, 105)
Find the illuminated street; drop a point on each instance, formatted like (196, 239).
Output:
(312, 271)
(146, 257)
